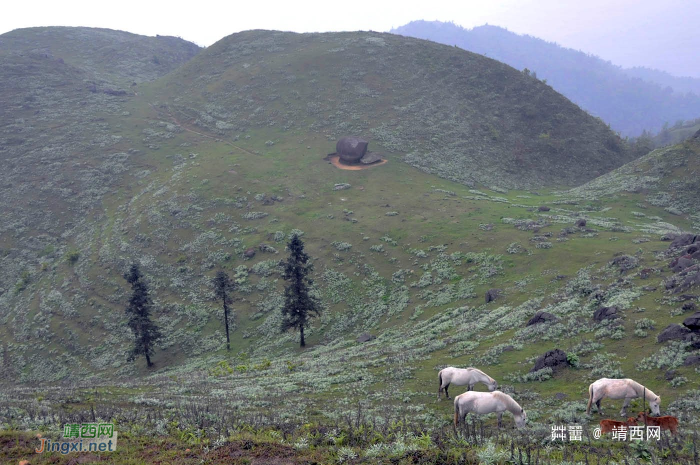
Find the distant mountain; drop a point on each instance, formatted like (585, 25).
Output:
(680, 85)
(627, 102)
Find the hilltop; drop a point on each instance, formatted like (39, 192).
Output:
(446, 111)
(631, 101)
(115, 57)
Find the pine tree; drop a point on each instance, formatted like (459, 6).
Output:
(299, 304)
(224, 287)
(146, 333)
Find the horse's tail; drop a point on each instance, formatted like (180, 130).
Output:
(590, 399)
(456, 413)
(439, 383)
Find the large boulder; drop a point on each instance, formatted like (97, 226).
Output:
(692, 360)
(365, 337)
(692, 322)
(581, 223)
(671, 332)
(543, 208)
(606, 313)
(542, 317)
(492, 294)
(351, 149)
(683, 240)
(553, 359)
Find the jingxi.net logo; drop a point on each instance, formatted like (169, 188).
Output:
(85, 437)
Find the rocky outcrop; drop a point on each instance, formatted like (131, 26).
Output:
(671, 332)
(542, 317)
(543, 208)
(683, 240)
(554, 359)
(581, 223)
(606, 313)
(692, 322)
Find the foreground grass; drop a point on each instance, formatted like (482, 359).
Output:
(358, 444)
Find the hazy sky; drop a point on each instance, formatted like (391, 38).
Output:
(663, 34)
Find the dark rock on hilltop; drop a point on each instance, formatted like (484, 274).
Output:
(542, 317)
(351, 149)
(581, 223)
(365, 337)
(543, 208)
(554, 359)
(671, 332)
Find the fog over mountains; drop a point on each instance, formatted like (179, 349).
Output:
(630, 100)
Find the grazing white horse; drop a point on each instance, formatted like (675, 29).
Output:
(626, 388)
(462, 376)
(482, 403)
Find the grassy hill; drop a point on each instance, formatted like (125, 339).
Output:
(186, 173)
(445, 111)
(631, 101)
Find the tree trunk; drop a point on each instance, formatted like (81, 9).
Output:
(302, 343)
(148, 360)
(228, 342)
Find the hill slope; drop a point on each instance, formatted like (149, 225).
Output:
(116, 57)
(449, 112)
(629, 104)
(188, 173)
(667, 177)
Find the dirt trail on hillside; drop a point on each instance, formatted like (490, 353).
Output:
(208, 136)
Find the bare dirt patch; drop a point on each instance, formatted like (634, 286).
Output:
(335, 160)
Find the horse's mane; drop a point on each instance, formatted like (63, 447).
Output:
(641, 390)
(511, 405)
(476, 369)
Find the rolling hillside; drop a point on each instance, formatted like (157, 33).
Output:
(631, 101)
(215, 165)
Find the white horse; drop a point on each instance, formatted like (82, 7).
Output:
(462, 376)
(626, 388)
(482, 403)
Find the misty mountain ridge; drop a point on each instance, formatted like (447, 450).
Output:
(620, 97)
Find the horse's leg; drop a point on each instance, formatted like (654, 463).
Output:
(623, 412)
(500, 418)
(471, 387)
(447, 394)
(597, 404)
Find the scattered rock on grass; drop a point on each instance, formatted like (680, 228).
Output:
(671, 332)
(554, 359)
